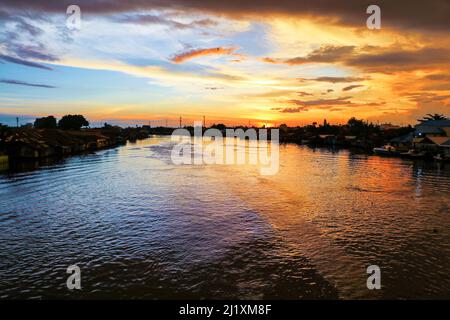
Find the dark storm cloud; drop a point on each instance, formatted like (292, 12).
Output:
(415, 14)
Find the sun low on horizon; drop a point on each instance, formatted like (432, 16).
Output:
(233, 62)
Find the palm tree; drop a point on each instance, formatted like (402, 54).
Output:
(430, 116)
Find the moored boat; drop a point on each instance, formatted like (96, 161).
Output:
(386, 150)
(414, 154)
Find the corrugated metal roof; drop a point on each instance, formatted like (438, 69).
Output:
(406, 138)
(439, 140)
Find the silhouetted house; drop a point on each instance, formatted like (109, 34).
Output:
(403, 142)
(28, 144)
(114, 136)
(445, 148)
(433, 144)
(441, 144)
(88, 140)
(433, 128)
(351, 141)
(60, 141)
(102, 143)
(41, 143)
(419, 143)
(328, 139)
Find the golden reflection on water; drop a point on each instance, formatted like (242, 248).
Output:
(345, 212)
(226, 230)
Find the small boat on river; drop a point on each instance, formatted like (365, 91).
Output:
(414, 154)
(386, 150)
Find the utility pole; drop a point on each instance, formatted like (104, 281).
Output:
(180, 122)
(17, 121)
(204, 121)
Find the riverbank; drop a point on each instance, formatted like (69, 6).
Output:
(367, 141)
(30, 143)
(31, 148)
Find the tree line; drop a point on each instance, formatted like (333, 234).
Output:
(67, 122)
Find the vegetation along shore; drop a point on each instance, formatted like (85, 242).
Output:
(47, 137)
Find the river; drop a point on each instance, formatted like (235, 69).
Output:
(139, 226)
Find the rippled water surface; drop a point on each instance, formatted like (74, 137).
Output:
(140, 227)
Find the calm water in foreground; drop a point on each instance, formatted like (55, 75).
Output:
(140, 227)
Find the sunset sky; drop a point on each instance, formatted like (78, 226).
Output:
(232, 61)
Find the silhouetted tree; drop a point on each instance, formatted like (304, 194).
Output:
(360, 127)
(45, 123)
(72, 122)
(219, 126)
(430, 116)
(3, 133)
(356, 123)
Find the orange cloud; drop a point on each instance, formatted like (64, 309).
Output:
(191, 54)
